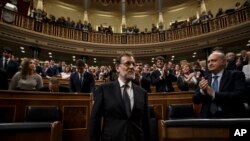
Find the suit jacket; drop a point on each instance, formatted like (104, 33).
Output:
(230, 98)
(3, 80)
(11, 69)
(88, 84)
(117, 126)
(52, 71)
(146, 81)
(40, 71)
(162, 84)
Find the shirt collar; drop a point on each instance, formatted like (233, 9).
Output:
(121, 83)
(159, 69)
(218, 74)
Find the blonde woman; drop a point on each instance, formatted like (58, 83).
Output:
(187, 80)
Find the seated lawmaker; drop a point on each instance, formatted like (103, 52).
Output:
(54, 86)
(223, 92)
(27, 78)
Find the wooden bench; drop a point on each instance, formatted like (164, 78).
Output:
(161, 101)
(31, 131)
(65, 82)
(200, 129)
(75, 109)
(75, 128)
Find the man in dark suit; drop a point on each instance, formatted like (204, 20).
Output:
(162, 77)
(39, 69)
(223, 92)
(146, 78)
(7, 63)
(4, 84)
(123, 107)
(81, 81)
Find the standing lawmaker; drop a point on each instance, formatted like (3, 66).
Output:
(123, 107)
(223, 92)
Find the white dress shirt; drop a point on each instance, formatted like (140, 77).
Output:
(129, 91)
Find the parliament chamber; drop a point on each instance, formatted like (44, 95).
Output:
(65, 116)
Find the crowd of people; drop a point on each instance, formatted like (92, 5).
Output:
(205, 16)
(161, 74)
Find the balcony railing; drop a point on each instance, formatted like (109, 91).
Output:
(212, 25)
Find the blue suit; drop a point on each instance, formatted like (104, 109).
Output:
(230, 97)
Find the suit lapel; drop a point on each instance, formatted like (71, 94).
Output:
(135, 91)
(223, 80)
(210, 79)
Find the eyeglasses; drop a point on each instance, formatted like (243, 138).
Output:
(127, 64)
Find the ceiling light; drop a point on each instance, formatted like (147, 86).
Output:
(114, 59)
(74, 59)
(194, 53)
(50, 56)
(172, 59)
(94, 58)
(153, 58)
(173, 56)
(248, 41)
(22, 48)
(248, 45)
(94, 61)
(49, 53)
(193, 56)
(73, 56)
(23, 51)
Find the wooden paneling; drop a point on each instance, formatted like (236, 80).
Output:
(160, 101)
(75, 108)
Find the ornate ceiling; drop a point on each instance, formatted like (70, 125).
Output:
(131, 5)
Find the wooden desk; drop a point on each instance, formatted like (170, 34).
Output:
(65, 82)
(160, 101)
(201, 129)
(75, 109)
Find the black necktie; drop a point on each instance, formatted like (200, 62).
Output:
(5, 63)
(213, 106)
(126, 100)
(81, 79)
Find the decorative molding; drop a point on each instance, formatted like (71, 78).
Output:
(231, 34)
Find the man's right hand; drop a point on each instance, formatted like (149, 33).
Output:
(203, 84)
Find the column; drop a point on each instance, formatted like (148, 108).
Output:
(35, 52)
(203, 6)
(160, 20)
(85, 14)
(39, 4)
(123, 13)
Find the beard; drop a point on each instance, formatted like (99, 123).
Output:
(130, 76)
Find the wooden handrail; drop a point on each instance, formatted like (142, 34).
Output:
(240, 16)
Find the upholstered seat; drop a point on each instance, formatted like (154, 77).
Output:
(180, 111)
(42, 114)
(41, 124)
